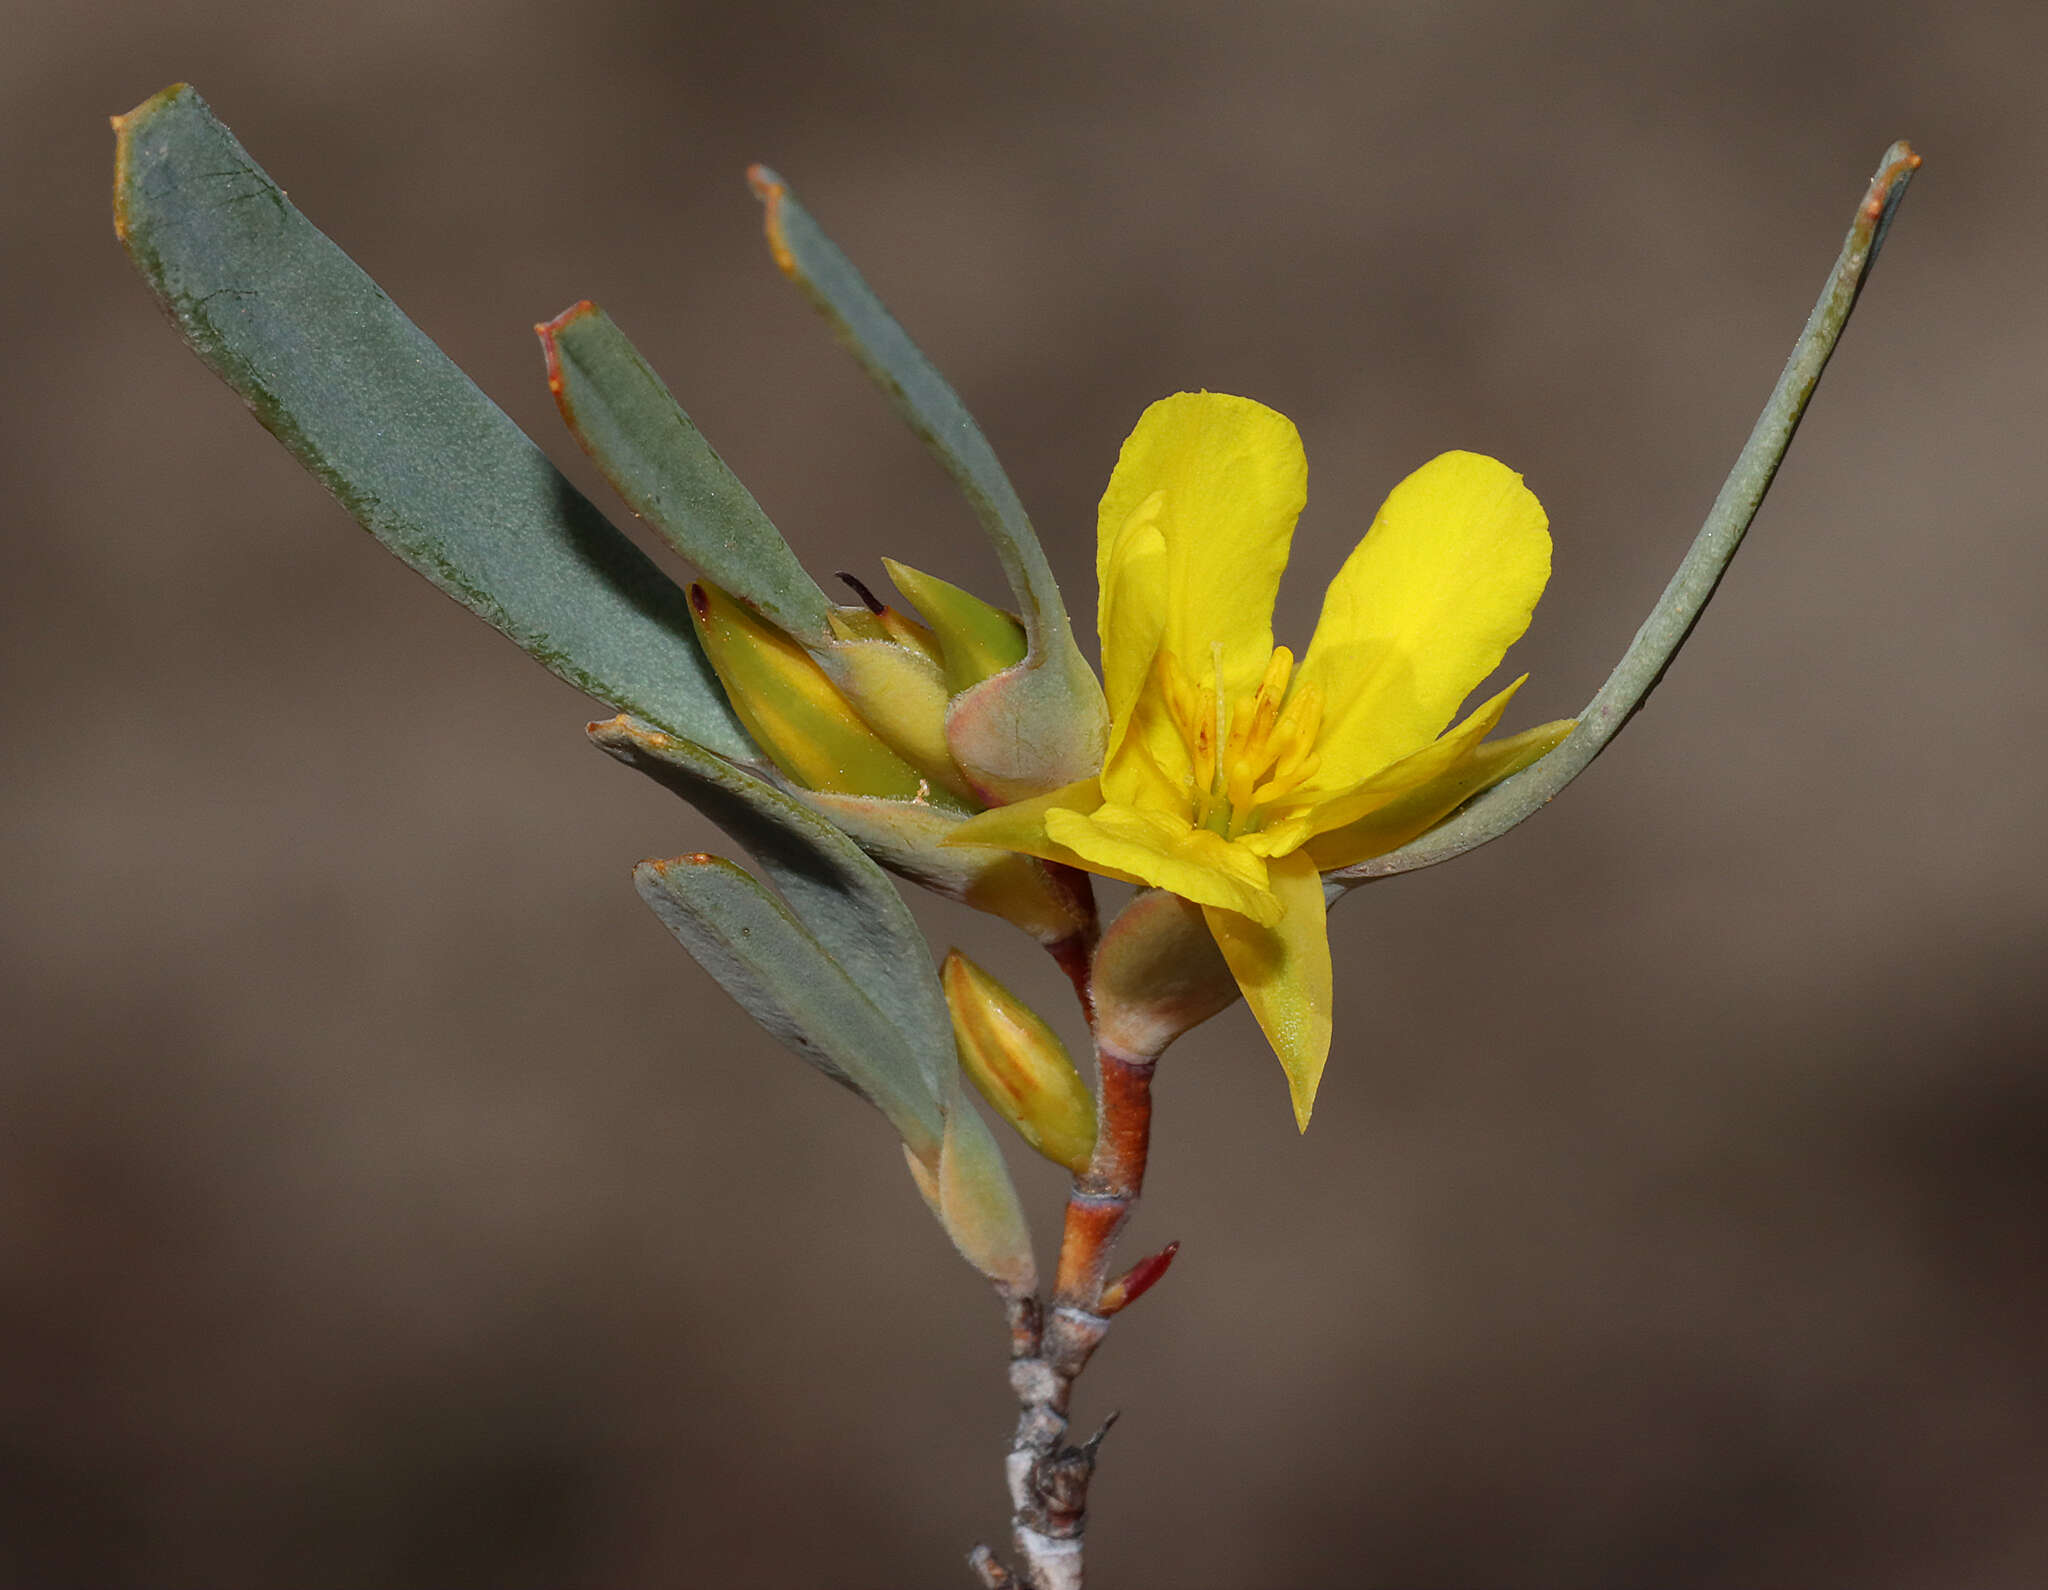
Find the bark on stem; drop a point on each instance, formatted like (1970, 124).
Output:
(1048, 1479)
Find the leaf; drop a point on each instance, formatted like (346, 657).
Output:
(843, 899)
(927, 403)
(659, 462)
(1050, 706)
(383, 419)
(840, 974)
(769, 961)
(1671, 622)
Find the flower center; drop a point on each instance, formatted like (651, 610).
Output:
(1246, 753)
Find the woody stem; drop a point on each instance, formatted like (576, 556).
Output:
(1048, 1477)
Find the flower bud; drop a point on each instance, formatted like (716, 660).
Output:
(1020, 1065)
(974, 639)
(877, 622)
(793, 711)
(1157, 973)
(898, 692)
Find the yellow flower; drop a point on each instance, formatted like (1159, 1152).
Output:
(1235, 777)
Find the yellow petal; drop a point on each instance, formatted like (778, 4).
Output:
(1020, 825)
(1130, 611)
(1418, 768)
(1149, 766)
(1169, 853)
(1222, 479)
(1424, 609)
(1421, 809)
(1284, 970)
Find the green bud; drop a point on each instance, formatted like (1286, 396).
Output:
(1020, 1065)
(898, 692)
(974, 639)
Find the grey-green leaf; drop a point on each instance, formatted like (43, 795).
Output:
(1031, 728)
(383, 419)
(927, 403)
(1511, 802)
(669, 474)
(767, 960)
(844, 900)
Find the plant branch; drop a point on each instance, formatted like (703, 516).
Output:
(1048, 1478)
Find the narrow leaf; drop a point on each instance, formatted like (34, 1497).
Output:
(660, 463)
(387, 423)
(1678, 610)
(770, 962)
(927, 403)
(1038, 725)
(842, 898)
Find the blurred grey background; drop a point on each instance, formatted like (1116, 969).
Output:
(386, 1201)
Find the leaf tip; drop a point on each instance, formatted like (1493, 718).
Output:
(657, 870)
(626, 732)
(125, 128)
(771, 190)
(550, 331)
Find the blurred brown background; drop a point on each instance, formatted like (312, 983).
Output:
(386, 1201)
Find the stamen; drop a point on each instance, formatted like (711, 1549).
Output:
(1246, 754)
(1216, 691)
(1286, 780)
(1208, 742)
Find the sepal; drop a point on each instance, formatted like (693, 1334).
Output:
(899, 692)
(975, 640)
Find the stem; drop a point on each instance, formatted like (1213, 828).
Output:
(1103, 1194)
(1075, 954)
(1048, 1479)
